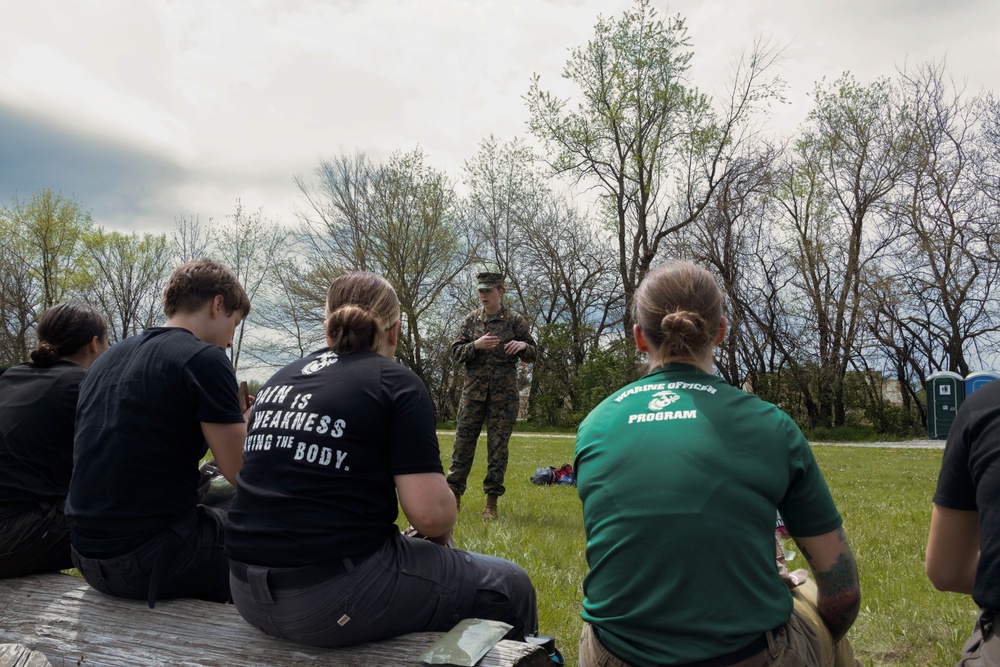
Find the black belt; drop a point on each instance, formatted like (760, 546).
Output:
(297, 577)
(751, 649)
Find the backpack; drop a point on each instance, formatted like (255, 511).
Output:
(549, 475)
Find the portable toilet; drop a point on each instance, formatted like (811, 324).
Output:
(945, 393)
(974, 381)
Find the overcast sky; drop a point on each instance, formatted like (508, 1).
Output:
(145, 110)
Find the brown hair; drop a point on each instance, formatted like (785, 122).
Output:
(194, 283)
(65, 328)
(678, 306)
(361, 307)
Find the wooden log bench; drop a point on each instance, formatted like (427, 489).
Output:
(71, 624)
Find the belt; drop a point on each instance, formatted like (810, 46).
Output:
(751, 649)
(297, 577)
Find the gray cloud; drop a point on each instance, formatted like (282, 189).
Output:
(118, 184)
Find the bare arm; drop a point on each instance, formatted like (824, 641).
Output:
(226, 443)
(836, 573)
(953, 549)
(428, 503)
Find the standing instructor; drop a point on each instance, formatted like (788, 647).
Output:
(490, 342)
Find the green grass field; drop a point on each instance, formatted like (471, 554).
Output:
(885, 498)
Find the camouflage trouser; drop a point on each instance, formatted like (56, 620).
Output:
(499, 417)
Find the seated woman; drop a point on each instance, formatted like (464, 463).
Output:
(37, 411)
(333, 440)
(680, 475)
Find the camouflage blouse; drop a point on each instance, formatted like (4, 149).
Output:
(492, 373)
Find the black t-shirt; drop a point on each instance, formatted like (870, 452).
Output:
(37, 408)
(327, 434)
(970, 480)
(138, 430)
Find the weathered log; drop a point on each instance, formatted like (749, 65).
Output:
(73, 625)
(16, 655)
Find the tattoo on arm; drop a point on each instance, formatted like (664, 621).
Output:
(839, 595)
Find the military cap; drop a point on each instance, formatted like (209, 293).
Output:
(489, 280)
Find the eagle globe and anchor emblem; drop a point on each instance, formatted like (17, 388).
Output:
(321, 362)
(662, 399)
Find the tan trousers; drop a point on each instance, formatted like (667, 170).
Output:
(804, 641)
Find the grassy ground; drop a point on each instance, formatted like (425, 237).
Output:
(883, 494)
(885, 498)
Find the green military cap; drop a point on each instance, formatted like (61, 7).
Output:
(489, 280)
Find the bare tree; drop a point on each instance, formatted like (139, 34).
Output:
(190, 240)
(398, 219)
(506, 195)
(19, 292)
(290, 316)
(250, 245)
(852, 154)
(936, 287)
(127, 273)
(651, 144)
(734, 237)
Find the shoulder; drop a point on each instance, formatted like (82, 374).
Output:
(66, 372)
(168, 342)
(210, 357)
(397, 372)
(977, 422)
(15, 374)
(985, 399)
(396, 380)
(61, 372)
(517, 317)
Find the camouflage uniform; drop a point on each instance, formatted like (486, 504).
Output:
(489, 395)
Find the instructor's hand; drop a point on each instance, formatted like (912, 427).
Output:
(486, 342)
(514, 346)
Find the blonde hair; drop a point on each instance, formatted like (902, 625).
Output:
(679, 306)
(360, 308)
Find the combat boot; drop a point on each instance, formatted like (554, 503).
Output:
(490, 511)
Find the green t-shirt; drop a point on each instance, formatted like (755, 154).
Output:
(680, 475)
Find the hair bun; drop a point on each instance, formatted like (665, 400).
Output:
(682, 322)
(352, 328)
(44, 354)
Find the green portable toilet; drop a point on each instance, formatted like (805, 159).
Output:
(945, 393)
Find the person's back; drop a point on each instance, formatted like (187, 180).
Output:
(148, 412)
(680, 476)
(139, 431)
(323, 432)
(338, 442)
(669, 501)
(37, 409)
(37, 413)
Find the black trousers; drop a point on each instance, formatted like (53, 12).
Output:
(34, 541)
(184, 561)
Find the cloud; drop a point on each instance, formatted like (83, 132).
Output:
(118, 183)
(165, 108)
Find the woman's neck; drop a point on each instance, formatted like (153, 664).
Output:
(705, 363)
